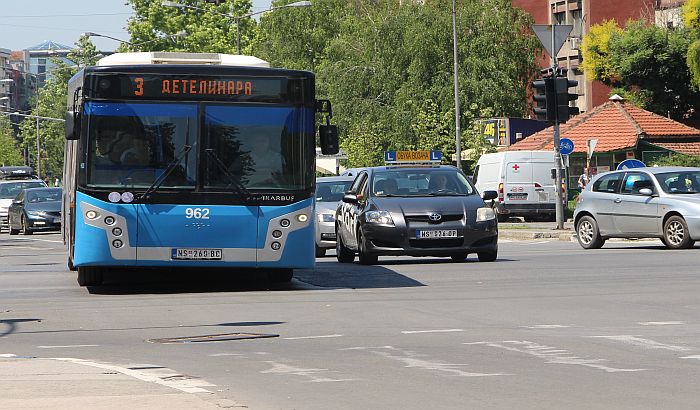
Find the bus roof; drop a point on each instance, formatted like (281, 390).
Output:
(162, 57)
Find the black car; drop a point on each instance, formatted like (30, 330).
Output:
(35, 209)
(415, 211)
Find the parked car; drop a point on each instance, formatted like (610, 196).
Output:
(35, 209)
(659, 202)
(416, 211)
(9, 188)
(329, 193)
(523, 180)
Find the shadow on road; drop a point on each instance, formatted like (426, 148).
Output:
(9, 326)
(326, 275)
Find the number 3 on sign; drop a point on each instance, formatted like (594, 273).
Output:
(197, 213)
(139, 86)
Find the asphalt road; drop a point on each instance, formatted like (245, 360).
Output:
(547, 326)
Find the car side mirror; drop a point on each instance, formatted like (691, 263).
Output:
(72, 126)
(350, 198)
(489, 195)
(646, 191)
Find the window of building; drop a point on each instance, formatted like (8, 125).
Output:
(559, 18)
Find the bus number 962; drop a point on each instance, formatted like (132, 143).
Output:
(197, 213)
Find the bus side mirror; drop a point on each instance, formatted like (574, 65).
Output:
(72, 126)
(329, 139)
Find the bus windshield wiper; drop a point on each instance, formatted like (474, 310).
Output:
(238, 187)
(166, 173)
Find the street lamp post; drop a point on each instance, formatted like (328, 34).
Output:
(172, 37)
(168, 3)
(458, 128)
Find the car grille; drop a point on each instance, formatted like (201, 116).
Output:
(424, 218)
(436, 243)
(56, 213)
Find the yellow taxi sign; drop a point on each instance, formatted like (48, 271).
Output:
(394, 157)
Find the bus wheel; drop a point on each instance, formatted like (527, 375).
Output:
(89, 276)
(280, 275)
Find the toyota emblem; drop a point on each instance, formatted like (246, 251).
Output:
(434, 217)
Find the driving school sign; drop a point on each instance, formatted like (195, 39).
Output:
(412, 156)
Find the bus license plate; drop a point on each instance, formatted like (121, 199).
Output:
(436, 234)
(196, 254)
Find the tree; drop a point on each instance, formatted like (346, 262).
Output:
(387, 68)
(645, 64)
(10, 153)
(52, 98)
(207, 30)
(691, 19)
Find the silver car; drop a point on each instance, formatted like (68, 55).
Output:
(329, 193)
(659, 202)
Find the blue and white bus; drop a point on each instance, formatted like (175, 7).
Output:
(191, 160)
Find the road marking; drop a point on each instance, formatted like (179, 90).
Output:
(310, 337)
(695, 356)
(413, 360)
(673, 322)
(163, 376)
(643, 343)
(8, 355)
(46, 240)
(66, 346)
(409, 332)
(546, 326)
(552, 354)
(312, 374)
(225, 354)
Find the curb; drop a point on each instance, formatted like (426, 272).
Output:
(520, 235)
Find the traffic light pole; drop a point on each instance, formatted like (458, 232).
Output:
(556, 139)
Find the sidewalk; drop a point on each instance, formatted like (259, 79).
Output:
(61, 383)
(522, 231)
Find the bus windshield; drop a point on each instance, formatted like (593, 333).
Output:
(256, 147)
(132, 144)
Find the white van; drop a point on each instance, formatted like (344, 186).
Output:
(523, 180)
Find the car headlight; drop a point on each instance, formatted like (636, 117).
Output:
(326, 218)
(379, 217)
(36, 213)
(485, 214)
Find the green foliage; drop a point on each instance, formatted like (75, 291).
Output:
(693, 62)
(52, 103)
(678, 160)
(388, 68)
(691, 14)
(10, 154)
(208, 29)
(645, 63)
(595, 51)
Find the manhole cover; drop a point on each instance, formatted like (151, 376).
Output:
(213, 338)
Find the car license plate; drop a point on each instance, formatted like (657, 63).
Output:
(520, 196)
(436, 234)
(196, 254)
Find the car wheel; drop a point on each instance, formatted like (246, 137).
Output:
(588, 234)
(320, 252)
(25, 229)
(89, 276)
(676, 235)
(280, 275)
(459, 257)
(365, 257)
(487, 256)
(343, 254)
(11, 230)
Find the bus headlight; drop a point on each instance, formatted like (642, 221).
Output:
(91, 214)
(302, 217)
(485, 214)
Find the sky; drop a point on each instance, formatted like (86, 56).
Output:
(30, 22)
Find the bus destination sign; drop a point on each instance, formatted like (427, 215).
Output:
(191, 87)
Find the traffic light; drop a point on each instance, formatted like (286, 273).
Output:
(564, 111)
(544, 95)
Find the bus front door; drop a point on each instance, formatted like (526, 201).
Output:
(185, 235)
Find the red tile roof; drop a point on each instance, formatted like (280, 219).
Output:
(688, 148)
(617, 126)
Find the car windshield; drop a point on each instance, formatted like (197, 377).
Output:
(10, 190)
(428, 182)
(43, 195)
(331, 191)
(680, 182)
